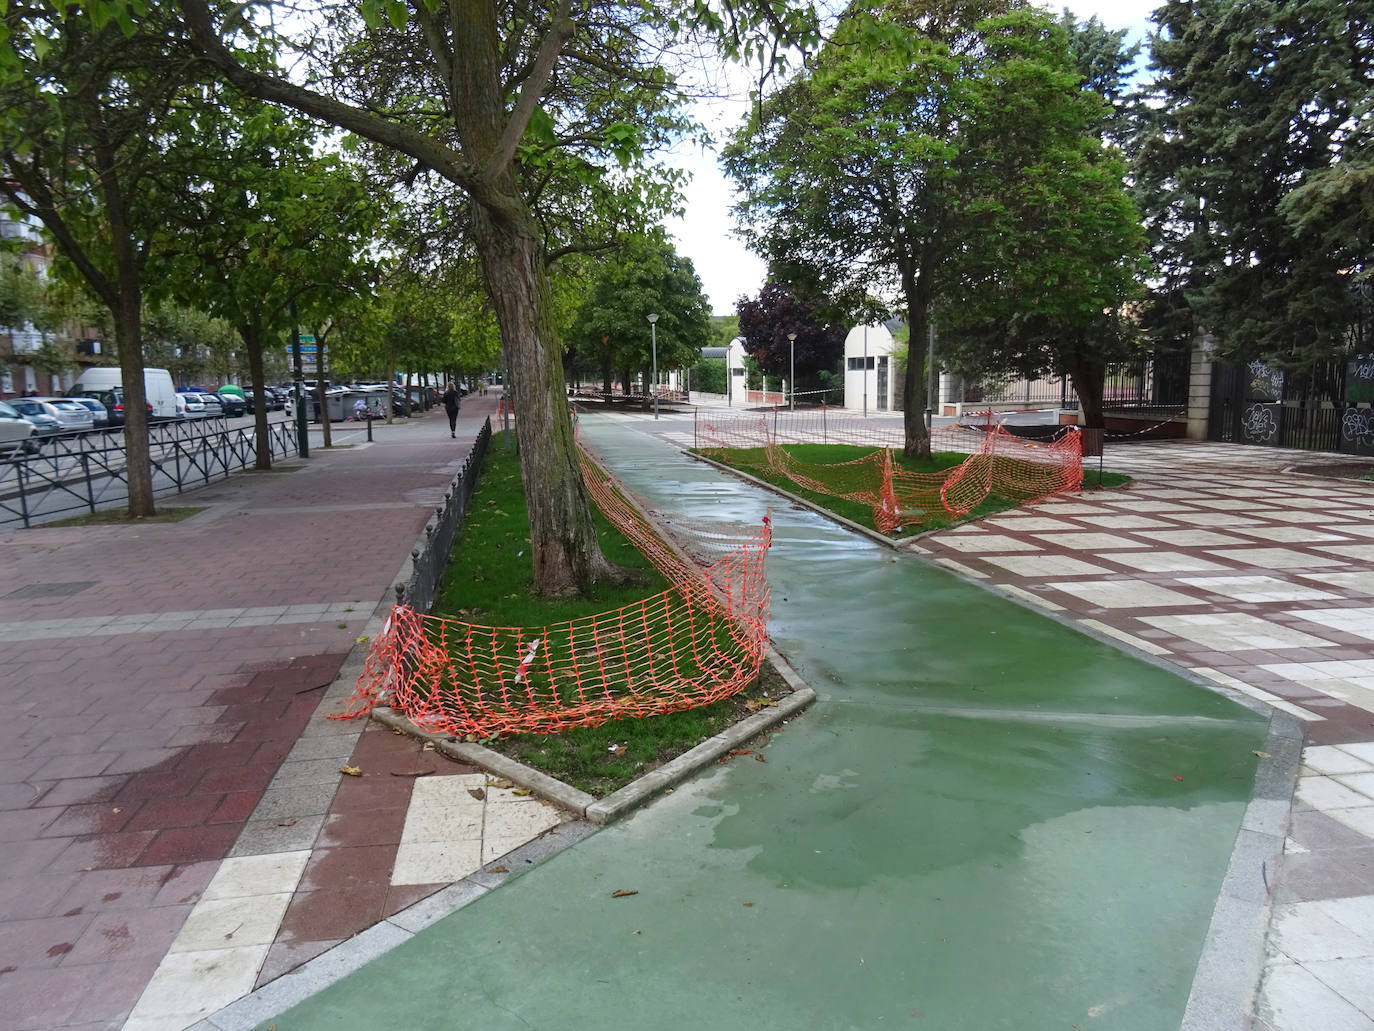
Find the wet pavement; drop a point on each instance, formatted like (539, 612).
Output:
(986, 820)
(918, 847)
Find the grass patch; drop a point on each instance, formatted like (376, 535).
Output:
(489, 581)
(121, 517)
(754, 462)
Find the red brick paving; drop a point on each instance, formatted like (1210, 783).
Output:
(133, 761)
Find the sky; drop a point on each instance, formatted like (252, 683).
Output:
(705, 234)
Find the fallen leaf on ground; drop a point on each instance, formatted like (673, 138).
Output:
(500, 782)
(290, 823)
(352, 771)
(411, 773)
(359, 640)
(498, 869)
(478, 794)
(428, 746)
(522, 792)
(622, 893)
(1263, 755)
(760, 757)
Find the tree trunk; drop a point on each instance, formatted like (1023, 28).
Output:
(1087, 377)
(138, 468)
(262, 443)
(917, 291)
(563, 542)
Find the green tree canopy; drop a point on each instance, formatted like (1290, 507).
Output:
(647, 276)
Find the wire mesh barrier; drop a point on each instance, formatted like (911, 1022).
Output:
(89, 472)
(695, 643)
(998, 462)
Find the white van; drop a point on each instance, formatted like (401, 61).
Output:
(157, 383)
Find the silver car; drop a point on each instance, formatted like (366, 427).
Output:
(214, 408)
(69, 416)
(16, 433)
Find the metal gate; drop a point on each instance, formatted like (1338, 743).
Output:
(1325, 407)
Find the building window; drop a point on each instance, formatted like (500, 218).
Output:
(857, 364)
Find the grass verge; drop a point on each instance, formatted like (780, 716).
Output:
(754, 462)
(489, 581)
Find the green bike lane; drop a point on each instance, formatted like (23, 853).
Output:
(987, 820)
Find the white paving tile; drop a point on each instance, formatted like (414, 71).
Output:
(1088, 541)
(1361, 782)
(436, 862)
(1129, 522)
(442, 823)
(1126, 594)
(1189, 538)
(1256, 588)
(1360, 749)
(1326, 794)
(1293, 998)
(257, 875)
(1029, 523)
(1359, 552)
(188, 986)
(448, 790)
(1359, 582)
(1274, 558)
(230, 923)
(981, 543)
(1309, 931)
(1233, 631)
(1135, 642)
(1289, 534)
(1333, 759)
(1351, 979)
(1039, 566)
(1164, 561)
(1227, 519)
(527, 819)
(1359, 622)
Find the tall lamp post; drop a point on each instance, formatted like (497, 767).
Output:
(792, 349)
(653, 340)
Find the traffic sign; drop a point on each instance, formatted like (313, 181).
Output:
(306, 338)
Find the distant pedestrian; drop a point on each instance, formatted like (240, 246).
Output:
(452, 401)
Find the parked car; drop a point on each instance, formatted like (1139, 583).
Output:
(100, 415)
(69, 416)
(47, 425)
(233, 405)
(16, 433)
(214, 407)
(275, 400)
(190, 406)
(113, 400)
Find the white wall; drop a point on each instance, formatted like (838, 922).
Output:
(876, 343)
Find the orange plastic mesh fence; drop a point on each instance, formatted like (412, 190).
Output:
(697, 642)
(998, 462)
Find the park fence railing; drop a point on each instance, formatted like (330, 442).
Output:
(88, 472)
(430, 555)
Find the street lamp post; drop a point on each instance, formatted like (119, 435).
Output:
(792, 348)
(653, 339)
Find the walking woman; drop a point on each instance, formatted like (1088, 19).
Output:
(452, 401)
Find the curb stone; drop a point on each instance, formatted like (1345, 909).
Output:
(639, 791)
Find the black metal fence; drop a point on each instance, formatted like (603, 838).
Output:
(429, 557)
(1160, 381)
(89, 471)
(1325, 407)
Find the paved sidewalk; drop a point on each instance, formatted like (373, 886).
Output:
(161, 683)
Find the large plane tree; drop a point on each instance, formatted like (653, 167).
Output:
(490, 96)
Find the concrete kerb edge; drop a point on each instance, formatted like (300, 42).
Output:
(635, 794)
(1231, 965)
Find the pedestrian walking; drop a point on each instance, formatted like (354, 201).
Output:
(452, 401)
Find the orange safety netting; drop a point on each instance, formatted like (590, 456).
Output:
(701, 640)
(998, 463)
